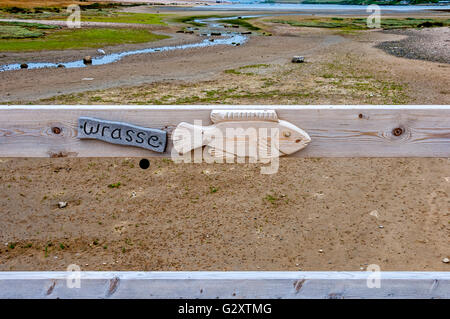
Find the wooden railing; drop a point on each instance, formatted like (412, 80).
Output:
(335, 131)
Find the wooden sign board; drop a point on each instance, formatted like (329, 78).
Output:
(335, 131)
(122, 134)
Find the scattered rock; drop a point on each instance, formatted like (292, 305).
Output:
(320, 250)
(189, 31)
(212, 40)
(381, 226)
(87, 60)
(101, 51)
(62, 204)
(24, 66)
(60, 66)
(445, 260)
(246, 32)
(216, 33)
(298, 59)
(180, 31)
(374, 213)
(235, 26)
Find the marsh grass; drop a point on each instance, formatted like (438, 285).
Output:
(40, 3)
(17, 32)
(79, 38)
(361, 23)
(126, 17)
(224, 19)
(191, 19)
(243, 23)
(90, 13)
(21, 30)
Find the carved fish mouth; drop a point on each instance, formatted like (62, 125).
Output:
(301, 142)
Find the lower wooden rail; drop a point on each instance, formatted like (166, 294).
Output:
(230, 284)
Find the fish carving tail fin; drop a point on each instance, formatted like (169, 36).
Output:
(187, 137)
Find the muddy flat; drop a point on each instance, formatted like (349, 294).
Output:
(314, 214)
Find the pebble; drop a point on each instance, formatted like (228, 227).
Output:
(381, 226)
(320, 250)
(446, 260)
(62, 204)
(374, 213)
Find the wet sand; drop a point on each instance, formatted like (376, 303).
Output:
(314, 214)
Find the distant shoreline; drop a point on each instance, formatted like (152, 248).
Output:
(270, 3)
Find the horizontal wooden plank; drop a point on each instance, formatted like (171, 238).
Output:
(336, 131)
(200, 284)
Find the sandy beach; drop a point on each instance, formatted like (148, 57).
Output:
(314, 214)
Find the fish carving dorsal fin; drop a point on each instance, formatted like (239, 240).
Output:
(218, 116)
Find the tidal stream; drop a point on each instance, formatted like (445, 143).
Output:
(212, 24)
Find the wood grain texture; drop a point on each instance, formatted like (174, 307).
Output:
(235, 285)
(336, 131)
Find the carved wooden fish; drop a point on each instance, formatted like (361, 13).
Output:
(244, 133)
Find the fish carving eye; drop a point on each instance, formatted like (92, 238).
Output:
(298, 140)
(287, 134)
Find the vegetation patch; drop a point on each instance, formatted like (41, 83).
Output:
(361, 23)
(245, 68)
(126, 17)
(243, 23)
(21, 30)
(27, 4)
(104, 12)
(193, 20)
(79, 38)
